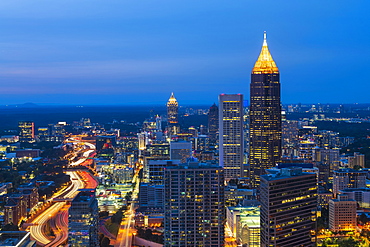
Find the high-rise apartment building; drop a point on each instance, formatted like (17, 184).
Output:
(173, 115)
(288, 208)
(83, 220)
(348, 178)
(213, 124)
(231, 143)
(26, 131)
(356, 160)
(329, 157)
(265, 115)
(194, 205)
(155, 170)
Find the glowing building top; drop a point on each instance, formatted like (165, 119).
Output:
(172, 110)
(265, 64)
(172, 100)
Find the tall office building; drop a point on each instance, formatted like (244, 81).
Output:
(26, 131)
(194, 205)
(288, 208)
(231, 143)
(213, 124)
(265, 116)
(180, 150)
(83, 220)
(173, 115)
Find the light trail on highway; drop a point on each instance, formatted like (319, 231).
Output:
(38, 229)
(59, 225)
(126, 230)
(57, 214)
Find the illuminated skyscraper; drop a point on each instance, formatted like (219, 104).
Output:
(231, 134)
(265, 116)
(26, 131)
(173, 115)
(288, 208)
(213, 124)
(194, 205)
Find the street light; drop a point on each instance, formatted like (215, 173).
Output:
(133, 238)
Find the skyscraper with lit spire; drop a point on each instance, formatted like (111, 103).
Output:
(265, 115)
(173, 115)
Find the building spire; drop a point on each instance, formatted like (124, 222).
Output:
(172, 99)
(265, 63)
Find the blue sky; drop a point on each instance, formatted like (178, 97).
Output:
(138, 52)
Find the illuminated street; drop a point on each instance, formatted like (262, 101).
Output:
(56, 216)
(127, 230)
(39, 228)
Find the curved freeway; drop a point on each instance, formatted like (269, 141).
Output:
(38, 229)
(59, 225)
(57, 214)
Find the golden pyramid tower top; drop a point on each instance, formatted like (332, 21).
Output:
(265, 63)
(172, 99)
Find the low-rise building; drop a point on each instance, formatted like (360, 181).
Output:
(244, 223)
(360, 195)
(342, 214)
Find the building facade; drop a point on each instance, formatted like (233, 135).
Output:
(180, 150)
(342, 214)
(288, 208)
(194, 205)
(213, 124)
(244, 223)
(26, 131)
(231, 143)
(172, 115)
(348, 178)
(265, 116)
(83, 220)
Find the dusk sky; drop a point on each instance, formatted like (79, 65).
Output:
(139, 51)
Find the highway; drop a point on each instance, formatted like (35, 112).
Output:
(55, 217)
(38, 230)
(126, 230)
(59, 225)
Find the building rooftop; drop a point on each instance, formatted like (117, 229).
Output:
(349, 170)
(194, 165)
(249, 216)
(356, 189)
(85, 195)
(16, 239)
(303, 165)
(288, 172)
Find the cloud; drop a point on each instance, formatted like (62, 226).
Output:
(119, 68)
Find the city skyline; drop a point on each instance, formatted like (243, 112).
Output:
(74, 53)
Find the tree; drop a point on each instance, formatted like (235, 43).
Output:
(105, 242)
(103, 214)
(10, 227)
(363, 219)
(349, 242)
